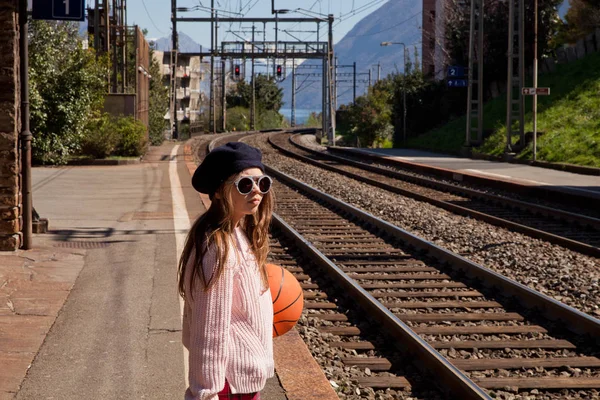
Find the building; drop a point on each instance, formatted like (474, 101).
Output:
(188, 79)
(434, 57)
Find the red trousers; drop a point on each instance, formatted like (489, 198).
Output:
(226, 394)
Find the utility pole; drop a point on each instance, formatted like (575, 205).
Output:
(335, 83)
(293, 117)
(223, 95)
(324, 114)
(354, 82)
(330, 80)
(475, 39)
(25, 135)
(211, 107)
(535, 77)
(378, 71)
(97, 27)
(114, 46)
(174, 122)
(515, 81)
(253, 108)
(369, 80)
(124, 35)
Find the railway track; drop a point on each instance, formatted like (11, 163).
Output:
(477, 332)
(430, 301)
(574, 231)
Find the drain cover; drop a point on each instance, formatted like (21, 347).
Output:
(82, 245)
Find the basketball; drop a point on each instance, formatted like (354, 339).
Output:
(288, 299)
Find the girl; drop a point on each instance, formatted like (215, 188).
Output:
(228, 313)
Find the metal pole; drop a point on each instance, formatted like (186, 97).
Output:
(369, 79)
(253, 108)
(224, 95)
(174, 127)
(26, 135)
(404, 97)
(114, 47)
(535, 77)
(212, 68)
(509, 74)
(97, 27)
(378, 71)
(293, 116)
(480, 75)
(324, 124)
(354, 82)
(521, 69)
(124, 35)
(470, 74)
(214, 99)
(335, 83)
(331, 80)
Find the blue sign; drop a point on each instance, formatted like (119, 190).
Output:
(458, 82)
(456, 71)
(71, 10)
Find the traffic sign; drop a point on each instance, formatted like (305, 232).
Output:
(456, 71)
(71, 10)
(541, 91)
(458, 82)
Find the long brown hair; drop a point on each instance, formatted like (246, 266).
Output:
(215, 226)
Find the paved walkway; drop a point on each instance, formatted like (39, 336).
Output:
(93, 311)
(584, 185)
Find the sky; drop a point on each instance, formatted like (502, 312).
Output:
(155, 16)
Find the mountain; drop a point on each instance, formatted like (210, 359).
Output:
(395, 21)
(186, 44)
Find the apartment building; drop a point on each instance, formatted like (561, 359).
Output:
(434, 58)
(189, 76)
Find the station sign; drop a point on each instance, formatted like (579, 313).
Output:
(456, 71)
(458, 82)
(62, 10)
(543, 91)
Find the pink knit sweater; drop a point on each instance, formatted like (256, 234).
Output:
(228, 329)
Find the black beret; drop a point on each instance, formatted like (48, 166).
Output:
(222, 162)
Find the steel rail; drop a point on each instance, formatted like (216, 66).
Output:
(563, 195)
(574, 320)
(453, 379)
(536, 233)
(537, 208)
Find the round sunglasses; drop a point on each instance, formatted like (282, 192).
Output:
(245, 184)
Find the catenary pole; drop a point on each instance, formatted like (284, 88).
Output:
(253, 108)
(535, 77)
(224, 95)
(293, 116)
(25, 133)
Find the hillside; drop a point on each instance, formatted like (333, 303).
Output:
(568, 119)
(395, 21)
(186, 44)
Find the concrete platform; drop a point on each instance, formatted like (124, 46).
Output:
(585, 186)
(92, 311)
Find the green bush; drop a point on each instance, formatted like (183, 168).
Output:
(107, 135)
(100, 137)
(238, 119)
(131, 136)
(269, 119)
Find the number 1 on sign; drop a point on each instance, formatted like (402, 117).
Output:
(66, 6)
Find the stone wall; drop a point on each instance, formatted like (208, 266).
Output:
(10, 199)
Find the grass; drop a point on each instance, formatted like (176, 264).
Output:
(568, 119)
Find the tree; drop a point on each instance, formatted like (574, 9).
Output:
(268, 95)
(158, 103)
(496, 34)
(368, 121)
(582, 18)
(67, 87)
